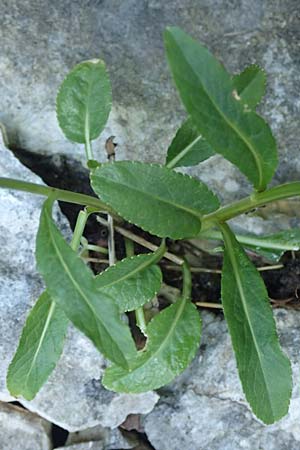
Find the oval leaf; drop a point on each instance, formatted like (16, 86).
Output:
(188, 147)
(84, 101)
(133, 281)
(173, 339)
(206, 90)
(71, 285)
(264, 369)
(157, 199)
(39, 349)
(250, 85)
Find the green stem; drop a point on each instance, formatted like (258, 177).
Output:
(111, 241)
(139, 312)
(97, 248)
(187, 281)
(251, 240)
(140, 320)
(129, 247)
(58, 194)
(253, 201)
(208, 221)
(79, 229)
(88, 150)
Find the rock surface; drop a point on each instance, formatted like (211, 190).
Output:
(42, 42)
(22, 430)
(104, 437)
(205, 407)
(73, 397)
(92, 445)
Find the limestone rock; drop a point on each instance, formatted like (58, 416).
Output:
(108, 438)
(205, 407)
(43, 42)
(92, 445)
(22, 430)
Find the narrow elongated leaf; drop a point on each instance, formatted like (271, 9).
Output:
(188, 147)
(39, 349)
(159, 200)
(272, 247)
(84, 101)
(173, 338)
(71, 285)
(133, 281)
(264, 369)
(250, 85)
(231, 128)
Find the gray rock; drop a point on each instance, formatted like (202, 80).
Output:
(92, 445)
(42, 42)
(108, 438)
(22, 430)
(205, 407)
(73, 396)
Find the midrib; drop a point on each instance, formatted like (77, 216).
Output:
(166, 338)
(76, 285)
(256, 157)
(150, 260)
(41, 340)
(193, 212)
(183, 152)
(244, 303)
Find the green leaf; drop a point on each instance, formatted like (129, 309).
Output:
(188, 147)
(250, 85)
(264, 369)
(39, 349)
(173, 339)
(133, 281)
(84, 101)
(232, 130)
(272, 247)
(157, 199)
(71, 285)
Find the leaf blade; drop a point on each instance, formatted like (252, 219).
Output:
(273, 246)
(157, 199)
(250, 85)
(241, 136)
(133, 281)
(188, 148)
(167, 353)
(39, 348)
(71, 285)
(264, 369)
(84, 101)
